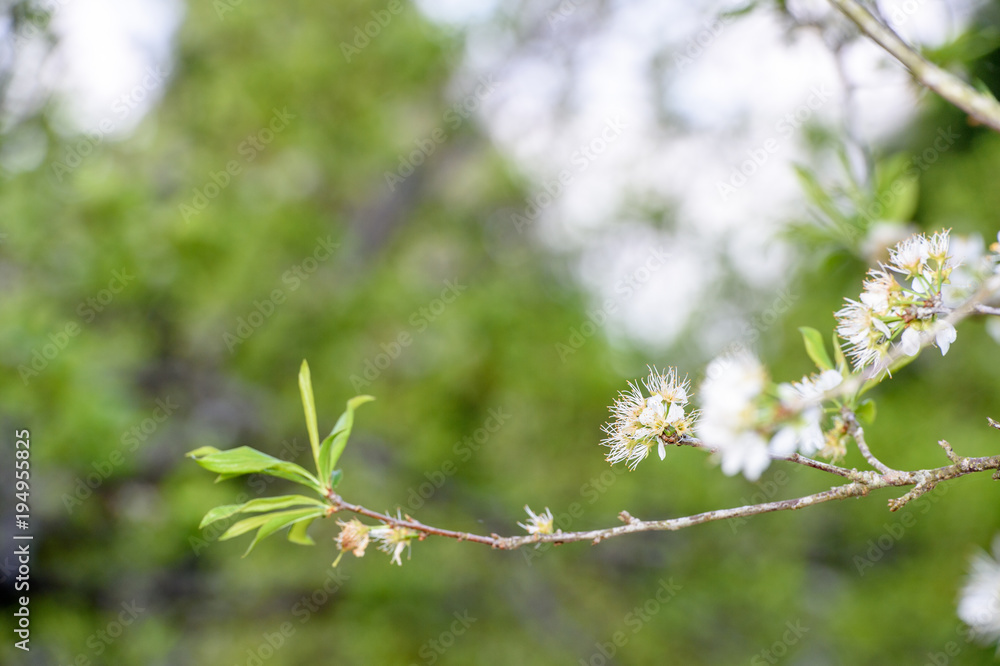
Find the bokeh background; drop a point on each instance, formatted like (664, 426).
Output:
(509, 208)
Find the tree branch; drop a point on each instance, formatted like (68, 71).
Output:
(861, 484)
(983, 108)
(857, 432)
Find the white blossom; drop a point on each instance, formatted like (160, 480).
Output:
(979, 603)
(729, 414)
(867, 335)
(889, 313)
(877, 291)
(393, 539)
(538, 523)
(967, 257)
(748, 454)
(910, 256)
(802, 432)
(944, 335)
(640, 421)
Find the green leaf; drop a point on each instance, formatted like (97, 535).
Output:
(259, 505)
(838, 353)
(335, 442)
(298, 533)
(219, 513)
(201, 452)
(247, 524)
(309, 405)
(280, 520)
(816, 194)
(336, 476)
(245, 460)
(815, 348)
(866, 411)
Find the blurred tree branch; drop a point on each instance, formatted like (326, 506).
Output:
(981, 106)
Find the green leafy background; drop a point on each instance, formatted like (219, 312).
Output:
(492, 351)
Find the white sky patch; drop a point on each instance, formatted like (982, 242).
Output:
(113, 60)
(458, 12)
(743, 91)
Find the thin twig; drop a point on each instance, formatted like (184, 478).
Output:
(794, 458)
(861, 484)
(858, 433)
(986, 309)
(984, 108)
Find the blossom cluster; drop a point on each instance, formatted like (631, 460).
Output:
(390, 539)
(890, 313)
(644, 419)
(748, 420)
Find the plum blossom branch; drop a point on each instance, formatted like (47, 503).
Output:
(984, 108)
(542, 530)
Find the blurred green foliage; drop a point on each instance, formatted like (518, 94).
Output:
(422, 297)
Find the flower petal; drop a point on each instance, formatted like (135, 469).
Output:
(675, 414)
(944, 336)
(909, 343)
